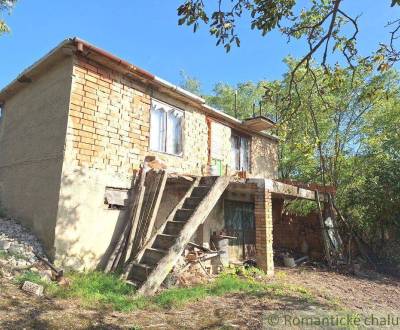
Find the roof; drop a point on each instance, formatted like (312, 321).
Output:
(72, 45)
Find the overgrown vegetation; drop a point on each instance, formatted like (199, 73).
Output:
(344, 135)
(96, 289)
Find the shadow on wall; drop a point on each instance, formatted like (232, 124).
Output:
(86, 230)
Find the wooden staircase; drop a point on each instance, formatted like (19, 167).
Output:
(155, 261)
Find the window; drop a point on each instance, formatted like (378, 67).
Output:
(165, 128)
(240, 152)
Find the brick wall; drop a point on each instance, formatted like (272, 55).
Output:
(290, 230)
(109, 124)
(263, 220)
(108, 121)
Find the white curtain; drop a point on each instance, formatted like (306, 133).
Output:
(157, 128)
(174, 131)
(244, 154)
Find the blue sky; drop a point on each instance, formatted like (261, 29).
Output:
(146, 33)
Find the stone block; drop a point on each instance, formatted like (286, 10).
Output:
(33, 288)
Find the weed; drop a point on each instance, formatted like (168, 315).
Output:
(97, 287)
(35, 277)
(3, 254)
(280, 275)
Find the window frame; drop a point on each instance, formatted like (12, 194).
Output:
(240, 136)
(170, 108)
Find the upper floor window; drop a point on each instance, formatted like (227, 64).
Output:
(165, 128)
(240, 152)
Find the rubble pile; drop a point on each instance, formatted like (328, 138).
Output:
(20, 251)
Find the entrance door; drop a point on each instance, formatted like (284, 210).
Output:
(239, 222)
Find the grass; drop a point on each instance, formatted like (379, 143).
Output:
(96, 289)
(3, 254)
(35, 277)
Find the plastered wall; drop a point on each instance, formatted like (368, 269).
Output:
(32, 135)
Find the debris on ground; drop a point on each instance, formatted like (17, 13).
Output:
(21, 251)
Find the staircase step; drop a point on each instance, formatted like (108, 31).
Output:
(152, 256)
(174, 227)
(200, 191)
(191, 202)
(183, 214)
(140, 272)
(164, 241)
(208, 180)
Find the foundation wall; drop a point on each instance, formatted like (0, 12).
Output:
(32, 139)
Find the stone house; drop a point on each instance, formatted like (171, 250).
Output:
(77, 125)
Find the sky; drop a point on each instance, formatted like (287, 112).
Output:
(146, 33)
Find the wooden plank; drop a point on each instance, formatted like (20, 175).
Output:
(135, 212)
(151, 198)
(156, 206)
(150, 242)
(198, 217)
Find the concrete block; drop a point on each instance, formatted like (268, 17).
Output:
(33, 288)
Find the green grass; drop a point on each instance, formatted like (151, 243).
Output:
(99, 288)
(3, 254)
(35, 277)
(96, 289)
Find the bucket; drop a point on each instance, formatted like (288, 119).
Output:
(289, 262)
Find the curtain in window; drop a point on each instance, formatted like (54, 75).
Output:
(235, 152)
(174, 138)
(244, 154)
(240, 153)
(158, 128)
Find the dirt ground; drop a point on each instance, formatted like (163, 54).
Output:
(375, 293)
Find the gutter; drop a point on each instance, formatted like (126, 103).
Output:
(81, 45)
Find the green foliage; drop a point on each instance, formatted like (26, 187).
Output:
(300, 207)
(5, 5)
(345, 133)
(323, 25)
(190, 84)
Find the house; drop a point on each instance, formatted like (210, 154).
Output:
(76, 126)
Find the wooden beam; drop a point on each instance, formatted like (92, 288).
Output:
(154, 209)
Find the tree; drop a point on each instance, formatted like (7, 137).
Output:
(5, 6)
(190, 83)
(323, 24)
